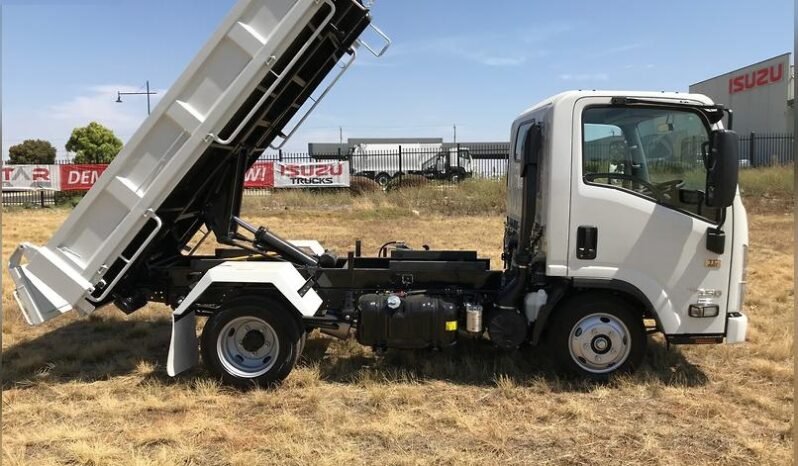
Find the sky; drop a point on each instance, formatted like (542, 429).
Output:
(473, 64)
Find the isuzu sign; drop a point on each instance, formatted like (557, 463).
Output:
(307, 175)
(760, 77)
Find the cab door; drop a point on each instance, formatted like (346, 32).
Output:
(636, 173)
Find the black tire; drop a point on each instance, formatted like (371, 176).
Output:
(275, 316)
(618, 329)
(383, 179)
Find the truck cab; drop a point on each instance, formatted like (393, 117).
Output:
(454, 164)
(616, 194)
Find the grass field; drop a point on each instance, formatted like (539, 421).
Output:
(94, 391)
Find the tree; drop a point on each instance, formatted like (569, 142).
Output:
(94, 144)
(32, 151)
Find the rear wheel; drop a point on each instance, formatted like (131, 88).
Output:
(252, 341)
(596, 335)
(382, 179)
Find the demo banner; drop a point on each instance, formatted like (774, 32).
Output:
(76, 177)
(260, 176)
(31, 177)
(310, 175)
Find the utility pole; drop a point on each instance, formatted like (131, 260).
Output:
(340, 134)
(455, 132)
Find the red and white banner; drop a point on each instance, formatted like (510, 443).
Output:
(80, 177)
(262, 175)
(311, 175)
(31, 177)
(259, 176)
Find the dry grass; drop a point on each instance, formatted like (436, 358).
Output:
(94, 391)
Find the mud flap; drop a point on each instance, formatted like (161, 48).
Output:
(183, 352)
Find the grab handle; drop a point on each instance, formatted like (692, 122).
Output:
(384, 47)
(317, 101)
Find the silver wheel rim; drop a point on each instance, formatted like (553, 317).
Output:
(247, 347)
(599, 343)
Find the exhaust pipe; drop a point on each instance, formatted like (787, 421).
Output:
(512, 294)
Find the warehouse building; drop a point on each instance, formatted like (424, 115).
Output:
(761, 95)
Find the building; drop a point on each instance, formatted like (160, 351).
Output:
(761, 95)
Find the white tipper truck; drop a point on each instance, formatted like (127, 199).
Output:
(383, 162)
(603, 243)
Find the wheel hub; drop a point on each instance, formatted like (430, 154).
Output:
(253, 340)
(599, 343)
(247, 347)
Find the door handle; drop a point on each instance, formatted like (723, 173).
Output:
(586, 242)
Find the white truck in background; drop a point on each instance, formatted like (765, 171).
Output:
(601, 246)
(383, 162)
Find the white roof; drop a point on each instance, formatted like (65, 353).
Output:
(568, 98)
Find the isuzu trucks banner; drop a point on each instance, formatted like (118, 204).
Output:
(311, 175)
(262, 175)
(31, 177)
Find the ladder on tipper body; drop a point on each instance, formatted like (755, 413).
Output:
(184, 167)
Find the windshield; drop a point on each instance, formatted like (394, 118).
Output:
(655, 152)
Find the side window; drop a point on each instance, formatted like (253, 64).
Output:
(653, 152)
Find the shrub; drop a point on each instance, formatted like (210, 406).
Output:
(361, 185)
(406, 181)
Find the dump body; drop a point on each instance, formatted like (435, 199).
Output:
(233, 100)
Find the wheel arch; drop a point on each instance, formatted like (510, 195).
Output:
(574, 287)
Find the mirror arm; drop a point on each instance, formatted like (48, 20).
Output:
(730, 114)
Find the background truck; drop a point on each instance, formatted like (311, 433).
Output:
(594, 258)
(382, 162)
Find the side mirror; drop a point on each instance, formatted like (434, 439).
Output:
(723, 166)
(532, 145)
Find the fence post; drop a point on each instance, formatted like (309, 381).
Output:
(280, 155)
(751, 150)
(41, 197)
(401, 175)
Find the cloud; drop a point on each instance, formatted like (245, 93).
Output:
(502, 61)
(618, 49)
(55, 122)
(585, 77)
(506, 49)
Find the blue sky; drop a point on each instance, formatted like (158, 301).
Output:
(476, 64)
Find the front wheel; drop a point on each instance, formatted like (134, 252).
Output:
(252, 341)
(596, 335)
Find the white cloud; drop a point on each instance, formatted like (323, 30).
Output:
(511, 48)
(618, 49)
(502, 61)
(96, 103)
(585, 77)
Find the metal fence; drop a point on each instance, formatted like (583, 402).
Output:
(766, 149)
(451, 163)
(42, 198)
(447, 163)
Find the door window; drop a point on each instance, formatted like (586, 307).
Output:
(653, 152)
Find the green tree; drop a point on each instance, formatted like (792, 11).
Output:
(94, 144)
(32, 151)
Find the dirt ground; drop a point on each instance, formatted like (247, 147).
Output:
(95, 391)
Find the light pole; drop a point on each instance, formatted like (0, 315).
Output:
(119, 95)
